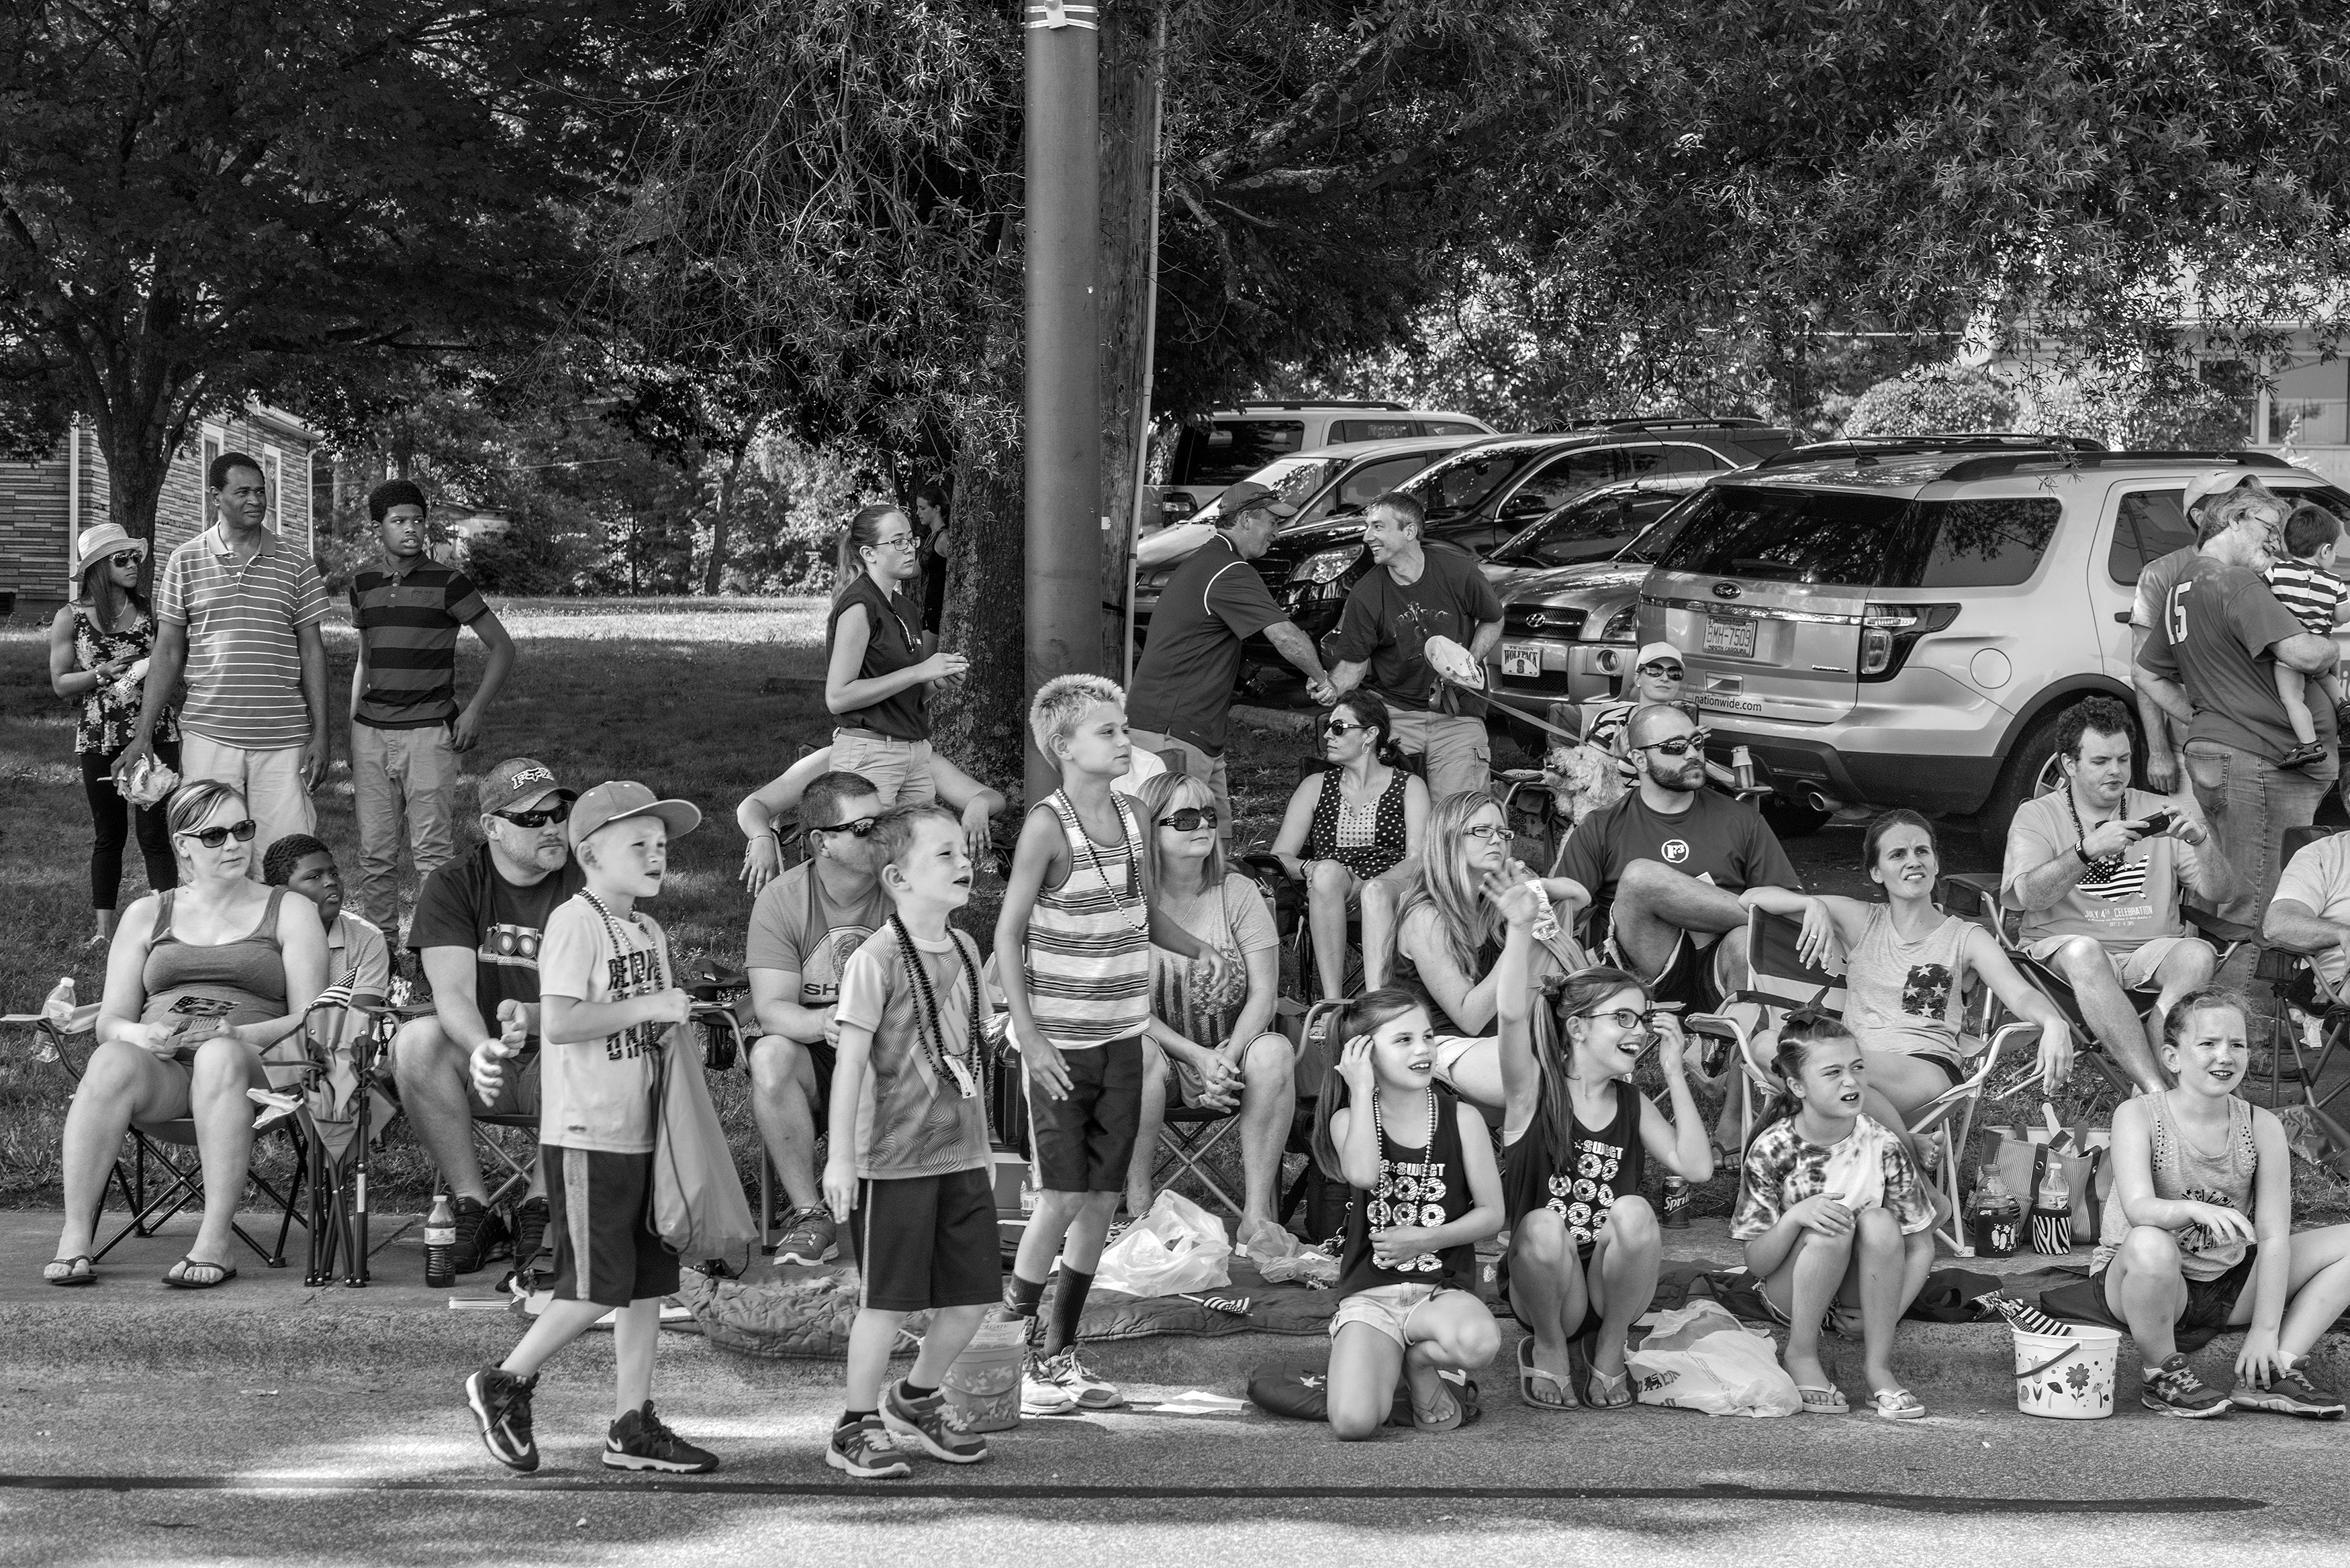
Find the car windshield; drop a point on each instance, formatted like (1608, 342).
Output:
(1591, 528)
(1459, 484)
(1848, 539)
(1293, 478)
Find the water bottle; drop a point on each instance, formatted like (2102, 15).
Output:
(1546, 925)
(1677, 1203)
(441, 1244)
(59, 1006)
(2051, 1208)
(1996, 1216)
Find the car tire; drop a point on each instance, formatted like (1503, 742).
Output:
(1792, 818)
(2019, 781)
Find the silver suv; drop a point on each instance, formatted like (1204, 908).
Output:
(1899, 626)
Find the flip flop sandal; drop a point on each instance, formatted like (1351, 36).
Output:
(1898, 1403)
(1826, 1401)
(179, 1276)
(70, 1272)
(1562, 1395)
(1441, 1420)
(1608, 1391)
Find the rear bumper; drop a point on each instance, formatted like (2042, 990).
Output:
(1935, 749)
(1571, 671)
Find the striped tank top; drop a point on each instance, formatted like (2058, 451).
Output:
(1088, 948)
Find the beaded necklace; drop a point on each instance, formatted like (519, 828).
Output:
(2098, 870)
(1126, 825)
(928, 1027)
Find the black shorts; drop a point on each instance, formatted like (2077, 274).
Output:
(927, 1242)
(605, 1249)
(2209, 1301)
(1687, 978)
(1084, 1144)
(821, 1056)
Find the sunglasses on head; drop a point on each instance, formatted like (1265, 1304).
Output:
(213, 837)
(857, 829)
(1680, 745)
(1191, 819)
(559, 812)
(1625, 1018)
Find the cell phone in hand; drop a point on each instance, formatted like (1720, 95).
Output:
(2158, 823)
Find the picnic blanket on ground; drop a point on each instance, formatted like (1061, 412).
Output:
(805, 1314)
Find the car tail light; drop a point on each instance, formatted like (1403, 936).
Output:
(1887, 633)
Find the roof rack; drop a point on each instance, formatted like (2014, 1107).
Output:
(1329, 403)
(1619, 423)
(1881, 447)
(2017, 463)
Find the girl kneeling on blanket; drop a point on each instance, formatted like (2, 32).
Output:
(1425, 1193)
(1576, 1139)
(1834, 1218)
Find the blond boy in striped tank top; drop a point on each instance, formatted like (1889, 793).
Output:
(1073, 955)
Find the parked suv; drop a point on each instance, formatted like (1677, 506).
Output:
(1232, 444)
(1483, 496)
(1905, 627)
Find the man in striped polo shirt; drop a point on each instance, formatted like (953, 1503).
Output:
(406, 727)
(237, 611)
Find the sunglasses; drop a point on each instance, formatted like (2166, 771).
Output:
(123, 558)
(1340, 726)
(559, 812)
(1680, 745)
(1625, 1018)
(1662, 672)
(857, 829)
(1190, 819)
(213, 837)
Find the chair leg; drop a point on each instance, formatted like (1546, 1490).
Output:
(766, 1201)
(1183, 1154)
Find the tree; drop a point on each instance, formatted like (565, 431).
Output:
(201, 201)
(1929, 399)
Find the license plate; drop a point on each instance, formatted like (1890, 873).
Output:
(1735, 637)
(1522, 660)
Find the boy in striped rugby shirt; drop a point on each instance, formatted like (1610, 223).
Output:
(406, 727)
(2306, 587)
(1073, 955)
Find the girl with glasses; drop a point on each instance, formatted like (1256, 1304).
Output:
(1576, 1140)
(879, 662)
(1218, 1035)
(99, 648)
(1353, 834)
(201, 982)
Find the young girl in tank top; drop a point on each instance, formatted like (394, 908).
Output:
(1425, 1193)
(1576, 1139)
(2197, 1235)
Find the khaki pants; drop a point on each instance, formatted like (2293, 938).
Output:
(270, 780)
(898, 770)
(1459, 756)
(402, 783)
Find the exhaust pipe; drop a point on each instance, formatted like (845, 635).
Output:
(1819, 800)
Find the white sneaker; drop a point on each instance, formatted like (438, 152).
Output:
(1040, 1393)
(1078, 1384)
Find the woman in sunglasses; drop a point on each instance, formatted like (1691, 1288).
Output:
(1353, 834)
(201, 979)
(99, 648)
(1577, 1142)
(1226, 1053)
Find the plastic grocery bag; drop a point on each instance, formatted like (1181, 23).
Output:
(1280, 1256)
(1177, 1247)
(1702, 1358)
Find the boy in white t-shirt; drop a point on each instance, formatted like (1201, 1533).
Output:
(606, 1005)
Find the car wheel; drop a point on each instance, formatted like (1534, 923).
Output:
(2030, 769)
(1792, 818)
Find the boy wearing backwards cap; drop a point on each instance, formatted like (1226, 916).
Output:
(606, 1002)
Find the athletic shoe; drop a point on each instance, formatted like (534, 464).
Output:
(2290, 1392)
(1041, 1393)
(500, 1402)
(810, 1237)
(863, 1448)
(529, 1231)
(642, 1441)
(2175, 1390)
(931, 1425)
(480, 1237)
(1085, 1391)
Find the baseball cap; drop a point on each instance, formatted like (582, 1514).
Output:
(1657, 650)
(623, 798)
(518, 780)
(1240, 497)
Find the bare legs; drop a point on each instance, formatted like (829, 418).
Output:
(2146, 1289)
(1268, 1105)
(1554, 1294)
(1873, 1267)
(1451, 1331)
(783, 1103)
(434, 1075)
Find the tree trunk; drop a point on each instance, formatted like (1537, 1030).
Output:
(1128, 110)
(982, 721)
(726, 488)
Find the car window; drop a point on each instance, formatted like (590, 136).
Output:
(1760, 444)
(1592, 529)
(2148, 525)
(1230, 450)
(1840, 537)
(1693, 460)
(1345, 430)
(1561, 479)
(1371, 480)
(1462, 482)
(1450, 427)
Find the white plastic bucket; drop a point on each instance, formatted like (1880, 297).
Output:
(983, 1383)
(2067, 1377)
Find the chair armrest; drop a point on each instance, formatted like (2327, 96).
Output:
(1980, 887)
(2226, 933)
(1264, 864)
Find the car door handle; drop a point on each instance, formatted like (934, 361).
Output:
(2121, 617)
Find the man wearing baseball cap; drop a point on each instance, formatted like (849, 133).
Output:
(477, 927)
(1182, 696)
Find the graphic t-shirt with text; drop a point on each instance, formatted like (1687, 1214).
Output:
(795, 930)
(599, 1094)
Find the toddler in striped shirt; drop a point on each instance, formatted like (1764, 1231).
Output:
(2306, 585)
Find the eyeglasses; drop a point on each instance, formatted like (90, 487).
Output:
(123, 558)
(857, 829)
(1191, 819)
(1625, 1018)
(1662, 672)
(1488, 831)
(1680, 745)
(213, 837)
(559, 812)
(895, 542)
(1340, 726)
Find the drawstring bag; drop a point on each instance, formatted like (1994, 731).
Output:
(698, 1208)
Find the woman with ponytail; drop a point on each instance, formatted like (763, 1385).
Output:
(1425, 1193)
(1834, 1218)
(1576, 1140)
(1353, 834)
(879, 662)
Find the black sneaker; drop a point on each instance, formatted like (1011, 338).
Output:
(2175, 1390)
(2290, 1394)
(642, 1441)
(529, 1232)
(500, 1402)
(480, 1237)
(864, 1450)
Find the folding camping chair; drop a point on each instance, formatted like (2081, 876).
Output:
(2316, 1023)
(170, 1147)
(337, 1101)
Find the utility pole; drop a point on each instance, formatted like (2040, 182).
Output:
(1063, 394)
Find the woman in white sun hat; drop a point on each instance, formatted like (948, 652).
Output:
(99, 648)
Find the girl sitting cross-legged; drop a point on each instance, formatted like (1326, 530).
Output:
(1834, 1215)
(1585, 1245)
(1425, 1193)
